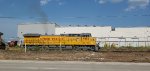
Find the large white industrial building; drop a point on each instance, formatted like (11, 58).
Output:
(95, 31)
(36, 28)
(126, 36)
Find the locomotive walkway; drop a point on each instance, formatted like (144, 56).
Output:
(21, 65)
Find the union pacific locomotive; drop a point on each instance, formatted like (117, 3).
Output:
(75, 41)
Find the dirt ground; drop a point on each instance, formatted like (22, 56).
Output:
(77, 56)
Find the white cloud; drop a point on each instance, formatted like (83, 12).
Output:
(60, 3)
(110, 1)
(44, 2)
(132, 4)
(102, 1)
(137, 4)
(116, 1)
(12, 4)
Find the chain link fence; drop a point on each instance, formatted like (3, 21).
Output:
(124, 41)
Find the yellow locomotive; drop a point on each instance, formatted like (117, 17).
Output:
(83, 40)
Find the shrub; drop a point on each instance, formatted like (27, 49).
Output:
(34, 48)
(107, 46)
(113, 45)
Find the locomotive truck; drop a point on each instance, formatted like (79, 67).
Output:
(75, 41)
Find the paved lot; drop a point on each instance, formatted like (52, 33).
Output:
(21, 65)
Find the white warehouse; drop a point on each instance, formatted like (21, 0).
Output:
(120, 36)
(95, 31)
(36, 28)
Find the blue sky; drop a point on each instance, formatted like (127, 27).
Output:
(116, 13)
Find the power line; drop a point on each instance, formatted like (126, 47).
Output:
(80, 17)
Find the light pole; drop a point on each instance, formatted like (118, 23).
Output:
(25, 50)
(147, 36)
(121, 39)
(60, 44)
(148, 40)
(104, 41)
(109, 37)
(135, 37)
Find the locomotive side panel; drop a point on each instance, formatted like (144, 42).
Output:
(57, 40)
(50, 40)
(31, 40)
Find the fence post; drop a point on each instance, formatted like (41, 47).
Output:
(25, 48)
(60, 48)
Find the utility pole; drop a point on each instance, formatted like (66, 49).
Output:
(60, 48)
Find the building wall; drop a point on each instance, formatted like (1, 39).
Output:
(128, 36)
(35, 28)
(133, 36)
(131, 32)
(95, 31)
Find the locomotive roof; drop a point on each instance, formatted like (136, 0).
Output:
(29, 35)
(50, 35)
(37, 35)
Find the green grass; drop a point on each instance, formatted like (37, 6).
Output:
(125, 49)
(108, 48)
